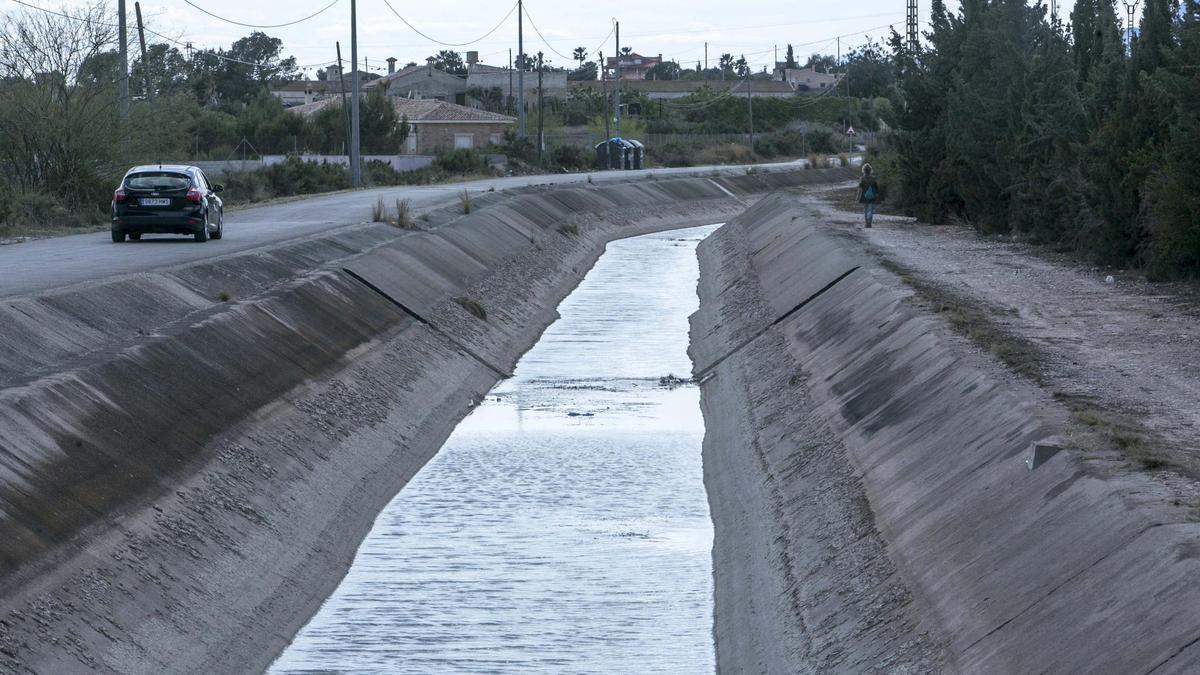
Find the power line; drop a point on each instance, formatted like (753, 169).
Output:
(451, 44)
(547, 42)
(724, 29)
(700, 105)
(606, 38)
(180, 43)
(822, 43)
(257, 25)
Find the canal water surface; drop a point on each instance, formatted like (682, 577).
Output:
(564, 527)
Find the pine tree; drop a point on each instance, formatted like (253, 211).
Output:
(1174, 190)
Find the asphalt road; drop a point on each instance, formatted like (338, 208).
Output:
(44, 264)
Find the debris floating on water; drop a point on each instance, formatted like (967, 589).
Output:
(671, 381)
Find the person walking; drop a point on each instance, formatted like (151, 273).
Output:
(868, 192)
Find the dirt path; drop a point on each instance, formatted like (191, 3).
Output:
(1122, 356)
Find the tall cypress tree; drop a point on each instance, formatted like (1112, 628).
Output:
(1048, 203)
(1109, 101)
(1174, 190)
(1085, 34)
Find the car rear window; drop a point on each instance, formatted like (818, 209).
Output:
(158, 180)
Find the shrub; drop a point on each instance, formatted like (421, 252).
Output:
(295, 176)
(464, 199)
(461, 161)
(377, 173)
(404, 214)
(672, 154)
(379, 211)
(571, 157)
(729, 153)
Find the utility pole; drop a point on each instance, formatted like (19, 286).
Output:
(706, 59)
(750, 106)
(912, 26)
(617, 88)
(1130, 8)
(355, 169)
(123, 80)
(849, 106)
(345, 107)
(607, 132)
(137, 7)
(509, 107)
(521, 68)
(541, 138)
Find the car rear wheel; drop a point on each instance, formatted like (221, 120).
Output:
(220, 227)
(202, 233)
(118, 236)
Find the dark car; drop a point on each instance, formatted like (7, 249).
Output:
(167, 199)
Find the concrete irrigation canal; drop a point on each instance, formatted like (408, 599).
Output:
(564, 526)
(483, 446)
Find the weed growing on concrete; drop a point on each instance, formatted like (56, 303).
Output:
(473, 307)
(843, 160)
(1103, 429)
(1097, 428)
(404, 214)
(464, 198)
(589, 179)
(971, 320)
(569, 229)
(224, 296)
(379, 212)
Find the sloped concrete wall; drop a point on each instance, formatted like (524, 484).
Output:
(884, 460)
(183, 479)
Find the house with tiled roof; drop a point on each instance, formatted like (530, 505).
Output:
(434, 125)
(423, 82)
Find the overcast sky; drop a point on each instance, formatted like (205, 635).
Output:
(677, 29)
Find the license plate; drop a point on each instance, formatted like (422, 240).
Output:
(155, 201)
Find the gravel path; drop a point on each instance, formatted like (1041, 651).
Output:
(1126, 347)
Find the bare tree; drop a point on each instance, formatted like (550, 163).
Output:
(58, 103)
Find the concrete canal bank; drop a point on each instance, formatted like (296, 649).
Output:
(872, 505)
(189, 458)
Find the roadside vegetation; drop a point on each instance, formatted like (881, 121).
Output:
(64, 151)
(1056, 131)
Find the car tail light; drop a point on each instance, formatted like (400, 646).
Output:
(119, 195)
(193, 195)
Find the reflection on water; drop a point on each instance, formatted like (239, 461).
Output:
(564, 527)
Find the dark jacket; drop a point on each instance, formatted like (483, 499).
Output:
(867, 181)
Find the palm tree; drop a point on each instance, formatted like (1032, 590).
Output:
(580, 55)
(626, 50)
